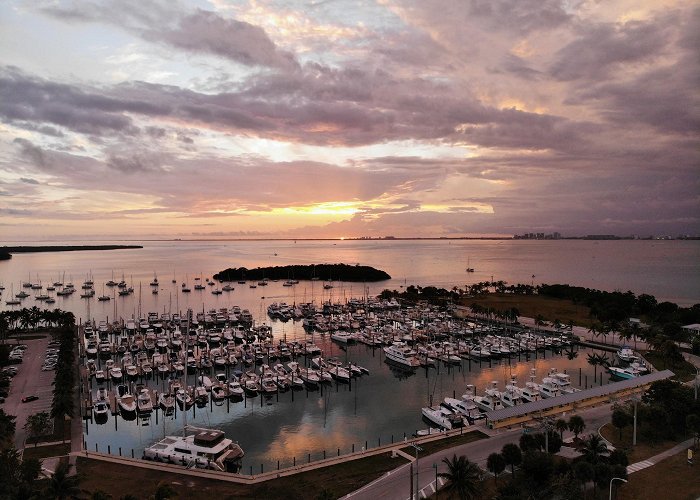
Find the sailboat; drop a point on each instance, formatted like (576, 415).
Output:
(13, 301)
(469, 269)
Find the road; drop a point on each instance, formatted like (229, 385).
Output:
(29, 380)
(395, 484)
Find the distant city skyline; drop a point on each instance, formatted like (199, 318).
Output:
(263, 119)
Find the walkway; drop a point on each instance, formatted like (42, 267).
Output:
(661, 456)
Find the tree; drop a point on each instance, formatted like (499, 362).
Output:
(576, 425)
(7, 427)
(528, 442)
(61, 485)
(38, 425)
(537, 469)
(164, 491)
(496, 464)
(597, 360)
(512, 456)
(561, 425)
(584, 472)
(463, 477)
(594, 448)
(621, 419)
(692, 424)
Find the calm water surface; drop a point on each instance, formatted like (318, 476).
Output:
(386, 403)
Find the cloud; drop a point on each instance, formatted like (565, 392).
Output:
(207, 32)
(170, 23)
(603, 48)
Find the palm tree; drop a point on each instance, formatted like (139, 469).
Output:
(576, 425)
(463, 477)
(512, 455)
(61, 485)
(496, 464)
(561, 425)
(597, 360)
(594, 448)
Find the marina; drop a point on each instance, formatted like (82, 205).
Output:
(238, 375)
(318, 410)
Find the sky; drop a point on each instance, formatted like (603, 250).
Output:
(125, 119)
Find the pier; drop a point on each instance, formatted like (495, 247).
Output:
(520, 414)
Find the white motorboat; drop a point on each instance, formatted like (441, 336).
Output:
(466, 408)
(512, 395)
(201, 396)
(623, 373)
(203, 448)
(99, 376)
(100, 410)
(343, 337)
(549, 388)
(235, 390)
(205, 382)
(401, 354)
(443, 417)
(127, 405)
(626, 354)
(101, 395)
(166, 402)
(491, 400)
(115, 373)
(218, 392)
(143, 401)
(563, 381)
(183, 399)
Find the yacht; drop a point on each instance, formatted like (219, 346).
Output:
(443, 417)
(202, 448)
(99, 376)
(563, 381)
(512, 395)
(626, 354)
(466, 408)
(401, 354)
(549, 388)
(491, 400)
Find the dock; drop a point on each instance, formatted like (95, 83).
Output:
(548, 407)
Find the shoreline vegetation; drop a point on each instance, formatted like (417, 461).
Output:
(329, 272)
(6, 252)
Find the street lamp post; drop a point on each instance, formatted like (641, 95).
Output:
(635, 399)
(611, 482)
(417, 448)
(435, 466)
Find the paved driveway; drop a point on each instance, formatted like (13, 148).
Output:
(30, 380)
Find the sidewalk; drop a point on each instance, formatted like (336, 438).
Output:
(658, 458)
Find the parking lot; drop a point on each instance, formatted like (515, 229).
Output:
(30, 380)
